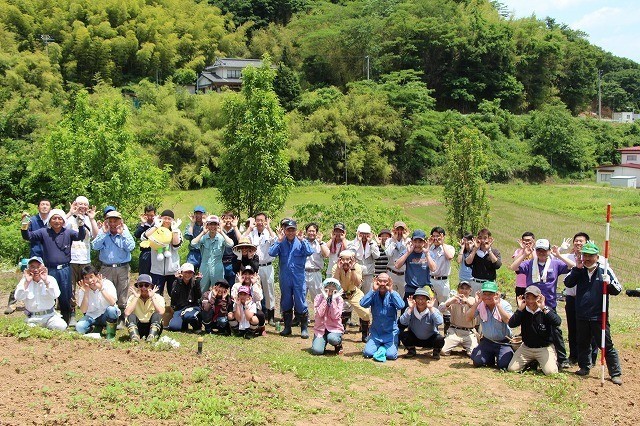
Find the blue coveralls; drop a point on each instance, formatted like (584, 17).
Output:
(211, 267)
(293, 287)
(384, 326)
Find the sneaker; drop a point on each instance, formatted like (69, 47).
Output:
(411, 352)
(339, 350)
(72, 321)
(617, 380)
(564, 365)
(583, 372)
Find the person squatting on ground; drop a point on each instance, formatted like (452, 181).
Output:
(461, 332)
(349, 275)
(262, 236)
(292, 251)
(39, 292)
(56, 242)
(115, 244)
(243, 319)
(97, 299)
(144, 310)
(248, 277)
(421, 319)
(494, 347)
(327, 325)
(185, 300)
(382, 343)
(212, 243)
(366, 251)
(536, 322)
(216, 303)
(588, 276)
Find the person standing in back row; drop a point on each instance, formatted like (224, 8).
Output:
(484, 260)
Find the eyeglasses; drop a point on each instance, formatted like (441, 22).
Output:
(142, 285)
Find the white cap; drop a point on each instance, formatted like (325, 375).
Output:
(187, 267)
(82, 199)
(58, 212)
(543, 244)
(364, 228)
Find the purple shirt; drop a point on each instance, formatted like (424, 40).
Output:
(549, 287)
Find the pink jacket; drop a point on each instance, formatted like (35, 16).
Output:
(328, 318)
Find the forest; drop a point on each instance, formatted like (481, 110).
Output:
(93, 95)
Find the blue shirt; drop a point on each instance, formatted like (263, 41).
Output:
(56, 247)
(35, 223)
(416, 274)
(494, 329)
(384, 311)
(293, 255)
(114, 248)
(194, 257)
(424, 327)
(465, 273)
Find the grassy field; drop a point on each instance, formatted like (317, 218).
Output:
(62, 378)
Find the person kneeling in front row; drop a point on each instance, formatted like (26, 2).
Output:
(144, 310)
(537, 322)
(327, 326)
(422, 320)
(97, 298)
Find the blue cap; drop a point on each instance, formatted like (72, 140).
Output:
(108, 209)
(199, 209)
(419, 233)
(144, 278)
(38, 258)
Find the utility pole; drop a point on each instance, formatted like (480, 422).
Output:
(367, 58)
(600, 94)
(345, 162)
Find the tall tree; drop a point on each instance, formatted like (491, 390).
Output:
(465, 190)
(254, 173)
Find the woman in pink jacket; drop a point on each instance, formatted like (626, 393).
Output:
(328, 326)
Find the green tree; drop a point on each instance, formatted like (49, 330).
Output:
(92, 151)
(465, 190)
(254, 173)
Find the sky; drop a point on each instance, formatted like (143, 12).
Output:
(613, 25)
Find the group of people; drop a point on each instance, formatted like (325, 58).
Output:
(397, 282)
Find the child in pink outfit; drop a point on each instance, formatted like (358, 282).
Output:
(328, 326)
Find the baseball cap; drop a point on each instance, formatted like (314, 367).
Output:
(423, 291)
(490, 286)
(248, 268)
(419, 233)
(290, 223)
(364, 228)
(384, 231)
(533, 290)
(36, 258)
(463, 282)
(199, 209)
(340, 226)
(213, 219)
(168, 213)
(108, 209)
(244, 289)
(590, 248)
(113, 213)
(144, 278)
(400, 224)
(543, 244)
(187, 267)
(222, 283)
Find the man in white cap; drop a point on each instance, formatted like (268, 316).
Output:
(395, 247)
(39, 291)
(367, 251)
(56, 243)
(80, 214)
(115, 244)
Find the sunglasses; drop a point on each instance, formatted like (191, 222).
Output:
(142, 285)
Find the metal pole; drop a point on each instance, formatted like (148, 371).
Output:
(604, 294)
(367, 57)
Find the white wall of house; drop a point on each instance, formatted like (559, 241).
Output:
(605, 174)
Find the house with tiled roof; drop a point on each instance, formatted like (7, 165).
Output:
(627, 173)
(225, 72)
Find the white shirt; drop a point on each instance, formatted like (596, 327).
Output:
(243, 324)
(80, 250)
(443, 265)
(38, 297)
(262, 242)
(366, 255)
(97, 304)
(314, 261)
(394, 250)
(333, 257)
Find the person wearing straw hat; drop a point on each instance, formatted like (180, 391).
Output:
(494, 313)
(56, 241)
(422, 320)
(543, 271)
(461, 332)
(588, 276)
(246, 255)
(327, 326)
(212, 243)
(536, 321)
(185, 300)
(39, 291)
(367, 251)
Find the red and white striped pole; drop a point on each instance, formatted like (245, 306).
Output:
(604, 294)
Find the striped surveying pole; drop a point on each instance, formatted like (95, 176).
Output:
(604, 294)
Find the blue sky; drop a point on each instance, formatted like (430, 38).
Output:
(613, 25)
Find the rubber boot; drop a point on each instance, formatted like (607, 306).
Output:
(296, 320)
(111, 330)
(133, 333)
(287, 316)
(154, 332)
(72, 317)
(11, 304)
(447, 323)
(66, 315)
(271, 314)
(436, 354)
(364, 327)
(304, 323)
(345, 316)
